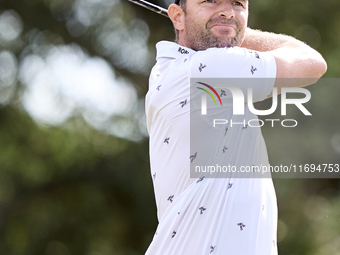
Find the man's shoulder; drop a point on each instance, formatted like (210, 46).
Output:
(234, 55)
(232, 62)
(221, 57)
(166, 49)
(236, 52)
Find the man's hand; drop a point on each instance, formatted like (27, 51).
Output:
(294, 59)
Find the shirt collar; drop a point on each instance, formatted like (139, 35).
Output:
(166, 49)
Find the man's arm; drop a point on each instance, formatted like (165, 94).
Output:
(294, 59)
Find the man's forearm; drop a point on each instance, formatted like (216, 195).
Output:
(266, 41)
(294, 59)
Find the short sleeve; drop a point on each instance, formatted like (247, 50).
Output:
(254, 69)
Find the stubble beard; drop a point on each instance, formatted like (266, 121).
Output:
(202, 39)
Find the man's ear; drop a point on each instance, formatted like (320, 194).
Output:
(176, 15)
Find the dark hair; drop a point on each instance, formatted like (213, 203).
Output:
(183, 4)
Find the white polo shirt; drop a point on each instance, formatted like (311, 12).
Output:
(236, 216)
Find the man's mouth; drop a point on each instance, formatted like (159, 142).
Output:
(224, 25)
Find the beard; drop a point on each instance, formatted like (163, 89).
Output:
(202, 39)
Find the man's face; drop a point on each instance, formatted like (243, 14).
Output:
(214, 23)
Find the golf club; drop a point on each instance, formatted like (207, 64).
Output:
(151, 7)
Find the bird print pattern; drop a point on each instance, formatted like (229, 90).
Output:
(203, 210)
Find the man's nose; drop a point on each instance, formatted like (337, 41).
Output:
(226, 10)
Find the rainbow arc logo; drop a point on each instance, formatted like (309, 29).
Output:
(204, 99)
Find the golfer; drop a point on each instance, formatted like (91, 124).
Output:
(218, 216)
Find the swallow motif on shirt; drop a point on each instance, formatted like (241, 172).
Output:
(167, 140)
(183, 103)
(200, 179)
(225, 148)
(241, 225)
(253, 69)
(223, 93)
(226, 130)
(192, 157)
(171, 198)
(201, 67)
(173, 234)
(212, 248)
(202, 209)
(255, 54)
(158, 87)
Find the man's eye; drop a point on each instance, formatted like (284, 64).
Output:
(238, 4)
(209, 1)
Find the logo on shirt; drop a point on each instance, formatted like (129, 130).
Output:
(182, 51)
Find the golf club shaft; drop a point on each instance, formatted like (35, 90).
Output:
(151, 7)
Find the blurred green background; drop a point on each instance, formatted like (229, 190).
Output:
(74, 167)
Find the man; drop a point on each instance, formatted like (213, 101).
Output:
(236, 216)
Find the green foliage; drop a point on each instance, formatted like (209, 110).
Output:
(71, 190)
